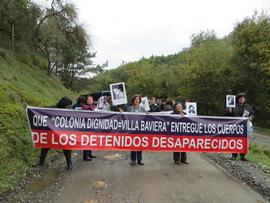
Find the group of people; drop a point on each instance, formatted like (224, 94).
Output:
(104, 103)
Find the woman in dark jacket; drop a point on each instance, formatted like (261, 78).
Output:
(169, 105)
(80, 102)
(135, 107)
(179, 156)
(64, 102)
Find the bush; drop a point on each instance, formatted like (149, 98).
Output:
(23, 54)
(259, 154)
(7, 55)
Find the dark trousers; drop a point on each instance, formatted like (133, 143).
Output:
(87, 154)
(44, 152)
(234, 155)
(136, 156)
(180, 156)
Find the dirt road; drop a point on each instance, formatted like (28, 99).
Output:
(110, 178)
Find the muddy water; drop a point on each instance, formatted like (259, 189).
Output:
(44, 181)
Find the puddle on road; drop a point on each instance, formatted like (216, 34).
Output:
(44, 181)
(91, 201)
(112, 156)
(99, 184)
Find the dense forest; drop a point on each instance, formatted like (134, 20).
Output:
(206, 71)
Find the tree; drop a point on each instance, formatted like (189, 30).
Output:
(64, 43)
(207, 73)
(11, 13)
(251, 43)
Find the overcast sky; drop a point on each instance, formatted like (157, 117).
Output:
(126, 30)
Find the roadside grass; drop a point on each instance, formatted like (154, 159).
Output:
(259, 154)
(263, 131)
(21, 85)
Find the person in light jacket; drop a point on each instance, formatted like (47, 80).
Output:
(136, 107)
(179, 156)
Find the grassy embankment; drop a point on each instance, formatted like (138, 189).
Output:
(258, 153)
(22, 83)
(263, 131)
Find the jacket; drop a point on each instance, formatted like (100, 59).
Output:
(244, 110)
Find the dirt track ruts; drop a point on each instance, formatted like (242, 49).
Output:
(110, 178)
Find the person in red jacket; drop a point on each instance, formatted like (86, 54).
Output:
(89, 105)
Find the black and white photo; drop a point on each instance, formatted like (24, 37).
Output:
(145, 104)
(118, 93)
(230, 101)
(191, 108)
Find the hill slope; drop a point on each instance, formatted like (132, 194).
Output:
(21, 85)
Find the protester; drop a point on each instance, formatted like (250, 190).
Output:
(154, 107)
(179, 156)
(80, 102)
(161, 103)
(107, 103)
(64, 102)
(169, 103)
(136, 107)
(242, 109)
(89, 105)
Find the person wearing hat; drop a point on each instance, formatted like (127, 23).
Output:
(242, 109)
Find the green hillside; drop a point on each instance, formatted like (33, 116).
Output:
(21, 85)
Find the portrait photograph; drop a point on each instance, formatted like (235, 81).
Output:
(118, 93)
(230, 101)
(145, 103)
(191, 108)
